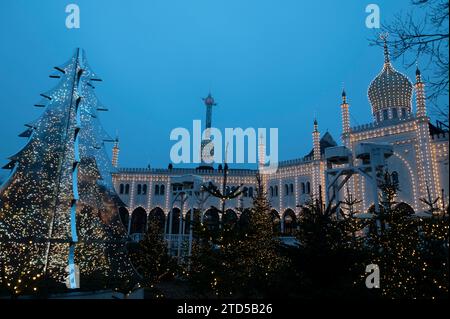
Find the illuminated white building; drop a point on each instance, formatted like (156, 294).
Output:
(419, 162)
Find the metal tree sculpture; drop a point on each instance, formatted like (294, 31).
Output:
(58, 208)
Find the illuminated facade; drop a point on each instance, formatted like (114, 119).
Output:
(419, 162)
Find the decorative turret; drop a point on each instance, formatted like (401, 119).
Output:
(261, 153)
(115, 153)
(345, 115)
(316, 141)
(427, 161)
(420, 95)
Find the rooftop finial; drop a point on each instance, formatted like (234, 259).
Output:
(344, 96)
(384, 37)
(417, 69)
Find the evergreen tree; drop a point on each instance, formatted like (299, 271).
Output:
(256, 250)
(325, 228)
(58, 206)
(411, 252)
(239, 261)
(329, 254)
(151, 256)
(206, 274)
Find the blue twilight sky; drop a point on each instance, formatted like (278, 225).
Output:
(269, 63)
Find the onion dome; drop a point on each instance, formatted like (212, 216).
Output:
(390, 89)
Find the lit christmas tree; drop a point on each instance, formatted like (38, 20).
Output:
(411, 252)
(151, 257)
(239, 261)
(58, 208)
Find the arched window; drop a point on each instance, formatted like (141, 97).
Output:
(245, 191)
(404, 114)
(127, 189)
(271, 191)
(175, 221)
(394, 177)
(229, 219)
(385, 114)
(275, 222)
(290, 222)
(394, 113)
(303, 188)
(121, 188)
(138, 221)
(144, 189)
(124, 217)
(156, 189)
(291, 188)
(308, 187)
(244, 219)
(250, 192)
(161, 190)
(157, 215)
(139, 189)
(286, 189)
(211, 219)
(276, 191)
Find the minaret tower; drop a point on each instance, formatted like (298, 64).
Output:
(420, 95)
(262, 160)
(345, 120)
(317, 175)
(316, 141)
(425, 159)
(209, 103)
(261, 153)
(115, 153)
(346, 137)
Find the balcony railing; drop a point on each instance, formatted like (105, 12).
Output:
(176, 237)
(384, 123)
(183, 171)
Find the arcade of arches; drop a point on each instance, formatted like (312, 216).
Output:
(283, 224)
